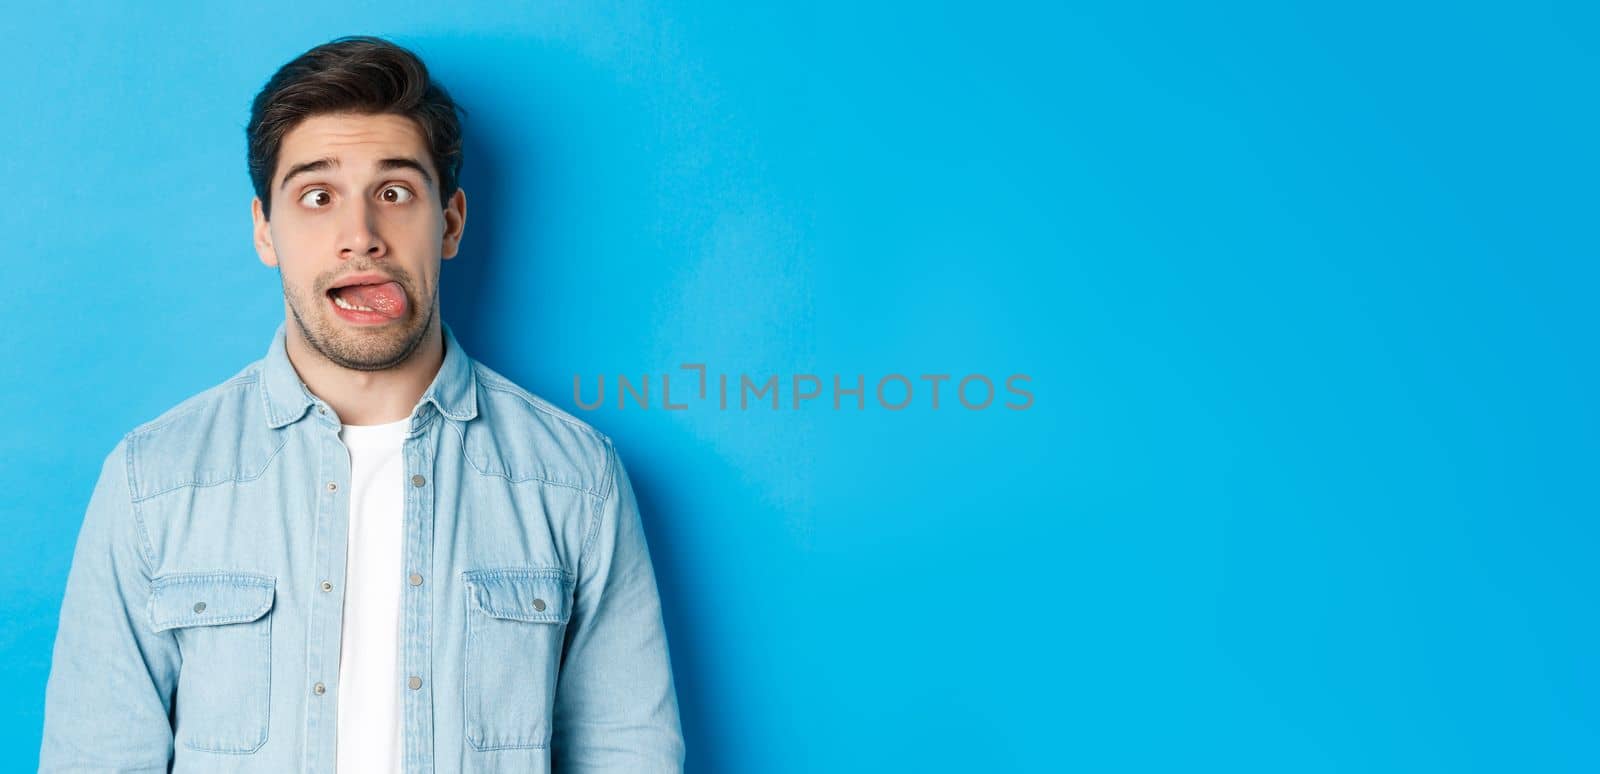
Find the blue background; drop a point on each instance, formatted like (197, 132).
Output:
(1307, 296)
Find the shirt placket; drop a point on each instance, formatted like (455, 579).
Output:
(417, 609)
(325, 627)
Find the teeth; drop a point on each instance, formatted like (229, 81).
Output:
(343, 304)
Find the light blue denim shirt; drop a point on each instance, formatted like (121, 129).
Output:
(200, 626)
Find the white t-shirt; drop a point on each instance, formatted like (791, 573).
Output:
(369, 732)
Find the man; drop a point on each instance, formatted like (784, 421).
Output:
(364, 552)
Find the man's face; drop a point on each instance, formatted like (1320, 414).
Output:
(357, 233)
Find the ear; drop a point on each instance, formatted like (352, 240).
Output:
(455, 222)
(263, 234)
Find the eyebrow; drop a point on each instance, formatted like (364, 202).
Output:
(382, 165)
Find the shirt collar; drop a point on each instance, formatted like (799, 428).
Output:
(454, 391)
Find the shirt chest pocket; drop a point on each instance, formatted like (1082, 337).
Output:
(224, 637)
(516, 619)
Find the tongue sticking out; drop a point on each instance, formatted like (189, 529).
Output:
(385, 298)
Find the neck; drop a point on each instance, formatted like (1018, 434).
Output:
(368, 397)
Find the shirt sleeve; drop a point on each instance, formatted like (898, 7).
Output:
(616, 709)
(110, 688)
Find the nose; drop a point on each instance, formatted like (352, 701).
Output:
(358, 235)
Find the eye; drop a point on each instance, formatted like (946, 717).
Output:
(307, 198)
(401, 194)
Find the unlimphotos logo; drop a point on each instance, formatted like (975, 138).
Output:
(894, 392)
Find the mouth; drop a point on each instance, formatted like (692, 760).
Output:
(367, 299)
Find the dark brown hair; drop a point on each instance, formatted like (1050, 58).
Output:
(353, 74)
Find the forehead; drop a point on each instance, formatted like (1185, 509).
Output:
(353, 139)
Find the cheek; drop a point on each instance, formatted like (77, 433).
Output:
(303, 285)
(414, 228)
(302, 250)
(298, 270)
(295, 243)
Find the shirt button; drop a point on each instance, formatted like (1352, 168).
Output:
(416, 580)
(332, 487)
(538, 604)
(326, 586)
(418, 480)
(415, 682)
(318, 689)
(199, 607)
(321, 410)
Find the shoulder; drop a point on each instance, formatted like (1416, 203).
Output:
(214, 435)
(524, 437)
(233, 393)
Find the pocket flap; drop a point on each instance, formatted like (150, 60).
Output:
(536, 594)
(206, 598)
